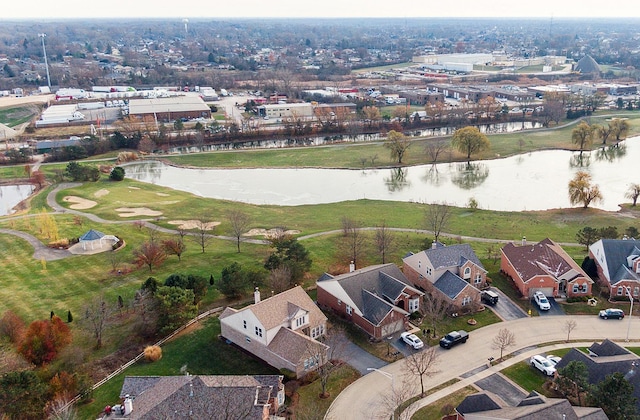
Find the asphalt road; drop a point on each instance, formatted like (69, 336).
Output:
(362, 398)
(507, 309)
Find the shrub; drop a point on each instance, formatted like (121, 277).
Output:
(152, 353)
(117, 174)
(127, 157)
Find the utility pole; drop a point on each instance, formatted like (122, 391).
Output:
(46, 64)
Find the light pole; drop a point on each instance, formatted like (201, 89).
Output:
(382, 372)
(46, 64)
(630, 311)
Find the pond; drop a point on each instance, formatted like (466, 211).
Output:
(11, 195)
(532, 181)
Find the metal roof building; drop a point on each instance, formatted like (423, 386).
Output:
(170, 109)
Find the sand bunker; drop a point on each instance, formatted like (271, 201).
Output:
(100, 193)
(270, 233)
(193, 224)
(163, 194)
(137, 211)
(79, 203)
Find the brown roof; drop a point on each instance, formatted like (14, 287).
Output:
(280, 308)
(546, 258)
(295, 347)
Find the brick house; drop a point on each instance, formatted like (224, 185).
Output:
(378, 298)
(544, 267)
(454, 272)
(281, 330)
(200, 396)
(618, 265)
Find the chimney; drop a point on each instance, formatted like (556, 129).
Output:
(256, 295)
(128, 405)
(524, 240)
(352, 267)
(434, 245)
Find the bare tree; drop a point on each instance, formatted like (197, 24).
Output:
(391, 400)
(493, 253)
(569, 325)
(384, 241)
(436, 217)
(435, 308)
(240, 222)
(434, 148)
(97, 316)
(354, 238)
(633, 193)
(115, 259)
(423, 363)
(204, 230)
(280, 278)
(335, 353)
(504, 339)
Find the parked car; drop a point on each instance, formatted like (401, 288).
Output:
(453, 338)
(554, 359)
(543, 365)
(412, 340)
(612, 313)
(542, 301)
(489, 297)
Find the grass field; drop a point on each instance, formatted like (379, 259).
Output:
(434, 411)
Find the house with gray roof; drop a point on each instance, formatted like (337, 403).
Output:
(606, 359)
(618, 265)
(544, 267)
(486, 405)
(281, 330)
(199, 396)
(453, 272)
(378, 298)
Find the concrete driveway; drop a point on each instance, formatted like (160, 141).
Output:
(361, 360)
(556, 308)
(506, 308)
(497, 383)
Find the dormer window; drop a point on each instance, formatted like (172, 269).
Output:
(467, 273)
(300, 321)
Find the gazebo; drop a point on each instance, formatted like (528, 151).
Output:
(95, 238)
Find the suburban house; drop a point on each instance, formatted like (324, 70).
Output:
(378, 298)
(618, 265)
(453, 271)
(487, 405)
(544, 267)
(199, 396)
(281, 330)
(606, 359)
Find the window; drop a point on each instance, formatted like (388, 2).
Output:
(244, 324)
(429, 271)
(259, 331)
(478, 279)
(466, 300)
(414, 305)
(339, 302)
(467, 273)
(620, 290)
(575, 288)
(300, 321)
(348, 309)
(636, 290)
(317, 331)
(309, 363)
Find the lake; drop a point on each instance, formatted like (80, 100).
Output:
(532, 181)
(11, 195)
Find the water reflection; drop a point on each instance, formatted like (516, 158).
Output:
(580, 160)
(532, 181)
(611, 153)
(11, 195)
(470, 175)
(397, 179)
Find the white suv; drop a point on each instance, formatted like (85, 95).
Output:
(543, 365)
(542, 301)
(412, 340)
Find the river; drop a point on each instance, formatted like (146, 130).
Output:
(532, 181)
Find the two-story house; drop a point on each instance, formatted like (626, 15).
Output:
(544, 267)
(281, 330)
(618, 265)
(454, 272)
(378, 298)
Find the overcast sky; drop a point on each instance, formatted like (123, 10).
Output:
(47, 9)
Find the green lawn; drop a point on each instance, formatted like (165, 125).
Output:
(201, 353)
(310, 405)
(528, 377)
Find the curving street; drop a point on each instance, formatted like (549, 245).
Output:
(468, 362)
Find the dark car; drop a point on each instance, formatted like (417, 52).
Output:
(489, 297)
(611, 313)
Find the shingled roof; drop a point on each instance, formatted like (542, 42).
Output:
(200, 396)
(450, 284)
(541, 259)
(279, 308)
(451, 256)
(616, 252)
(372, 290)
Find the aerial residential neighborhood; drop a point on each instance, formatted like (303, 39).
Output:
(318, 218)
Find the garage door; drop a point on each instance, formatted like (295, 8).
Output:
(391, 328)
(548, 291)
